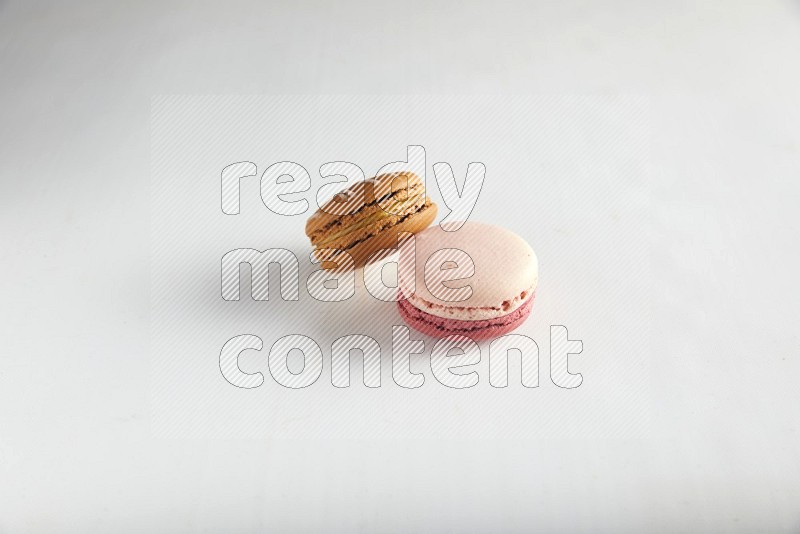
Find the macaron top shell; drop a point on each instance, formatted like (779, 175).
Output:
(505, 276)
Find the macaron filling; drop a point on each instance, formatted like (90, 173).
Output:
(471, 313)
(436, 326)
(400, 208)
(386, 222)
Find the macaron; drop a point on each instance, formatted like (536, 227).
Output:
(369, 215)
(442, 294)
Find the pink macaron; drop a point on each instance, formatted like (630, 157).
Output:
(478, 281)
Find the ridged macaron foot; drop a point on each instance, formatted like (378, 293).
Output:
(370, 215)
(501, 287)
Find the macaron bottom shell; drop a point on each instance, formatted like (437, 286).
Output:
(435, 326)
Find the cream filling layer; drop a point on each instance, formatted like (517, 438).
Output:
(395, 209)
(472, 313)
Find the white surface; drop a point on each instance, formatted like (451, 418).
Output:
(76, 449)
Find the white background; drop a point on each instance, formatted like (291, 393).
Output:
(77, 451)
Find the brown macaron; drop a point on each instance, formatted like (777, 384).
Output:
(370, 215)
